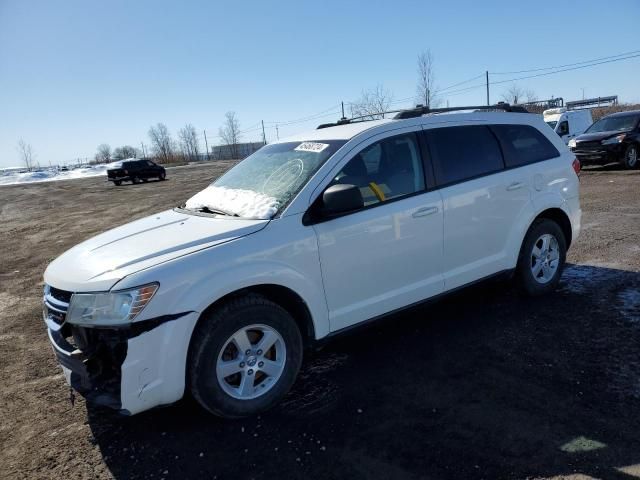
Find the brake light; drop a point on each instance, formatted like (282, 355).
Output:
(126, 173)
(576, 166)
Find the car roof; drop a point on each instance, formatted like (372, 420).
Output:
(351, 130)
(339, 132)
(628, 113)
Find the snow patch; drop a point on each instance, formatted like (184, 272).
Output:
(52, 174)
(245, 203)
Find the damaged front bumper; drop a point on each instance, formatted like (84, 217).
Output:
(130, 369)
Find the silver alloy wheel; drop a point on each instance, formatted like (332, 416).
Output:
(251, 362)
(545, 258)
(632, 156)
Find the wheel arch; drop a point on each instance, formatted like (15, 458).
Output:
(285, 297)
(560, 217)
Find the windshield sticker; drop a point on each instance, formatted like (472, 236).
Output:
(311, 147)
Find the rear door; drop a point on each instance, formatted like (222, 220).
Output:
(389, 254)
(151, 169)
(481, 201)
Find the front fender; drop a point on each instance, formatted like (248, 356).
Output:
(193, 282)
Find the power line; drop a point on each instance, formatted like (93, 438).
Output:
(565, 70)
(458, 84)
(302, 119)
(567, 65)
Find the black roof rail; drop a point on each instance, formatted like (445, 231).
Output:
(420, 110)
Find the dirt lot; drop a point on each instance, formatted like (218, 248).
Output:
(482, 385)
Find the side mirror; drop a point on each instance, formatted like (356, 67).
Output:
(340, 198)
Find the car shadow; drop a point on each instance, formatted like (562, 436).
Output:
(129, 184)
(609, 167)
(483, 384)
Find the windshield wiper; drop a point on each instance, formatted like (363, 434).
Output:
(217, 211)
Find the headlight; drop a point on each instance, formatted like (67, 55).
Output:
(612, 140)
(572, 143)
(110, 308)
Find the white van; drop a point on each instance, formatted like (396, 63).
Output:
(568, 124)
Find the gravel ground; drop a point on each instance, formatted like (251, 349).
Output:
(484, 384)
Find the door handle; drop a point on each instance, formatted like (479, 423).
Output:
(515, 186)
(423, 212)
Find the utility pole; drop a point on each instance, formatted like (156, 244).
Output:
(206, 144)
(342, 103)
(277, 133)
(487, 74)
(426, 98)
(264, 137)
(144, 155)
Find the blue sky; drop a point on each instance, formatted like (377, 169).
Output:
(74, 74)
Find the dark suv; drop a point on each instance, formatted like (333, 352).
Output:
(136, 171)
(614, 138)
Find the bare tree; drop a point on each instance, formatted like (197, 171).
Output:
(161, 142)
(26, 154)
(426, 79)
(230, 133)
(189, 142)
(103, 155)
(530, 95)
(126, 151)
(513, 94)
(372, 103)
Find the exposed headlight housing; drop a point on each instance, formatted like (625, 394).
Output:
(613, 140)
(109, 308)
(572, 143)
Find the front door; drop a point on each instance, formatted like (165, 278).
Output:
(387, 255)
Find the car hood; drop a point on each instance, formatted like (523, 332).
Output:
(98, 263)
(596, 137)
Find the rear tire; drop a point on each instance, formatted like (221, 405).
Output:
(162, 176)
(232, 378)
(630, 159)
(135, 180)
(542, 258)
(117, 183)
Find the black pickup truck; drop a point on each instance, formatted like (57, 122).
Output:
(136, 171)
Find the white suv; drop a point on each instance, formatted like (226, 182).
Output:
(303, 239)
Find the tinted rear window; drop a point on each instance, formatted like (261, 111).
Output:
(523, 144)
(461, 153)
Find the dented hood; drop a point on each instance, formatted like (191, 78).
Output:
(98, 263)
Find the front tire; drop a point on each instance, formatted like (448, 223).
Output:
(162, 176)
(245, 357)
(542, 258)
(135, 180)
(117, 183)
(630, 159)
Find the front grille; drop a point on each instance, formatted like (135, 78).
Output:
(56, 304)
(589, 145)
(60, 295)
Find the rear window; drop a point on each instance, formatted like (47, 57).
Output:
(129, 164)
(523, 144)
(461, 153)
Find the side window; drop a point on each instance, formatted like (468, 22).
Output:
(388, 169)
(461, 153)
(563, 128)
(523, 144)
(150, 163)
